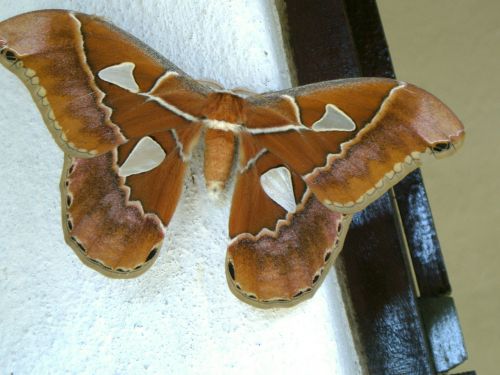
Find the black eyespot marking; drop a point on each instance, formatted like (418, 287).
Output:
(281, 300)
(298, 294)
(82, 248)
(339, 228)
(121, 270)
(238, 287)
(99, 263)
(440, 147)
(71, 169)
(9, 55)
(327, 256)
(68, 200)
(316, 278)
(70, 224)
(251, 296)
(230, 267)
(138, 267)
(307, 290)
(336, 242)
(151, 255)
(66, 183)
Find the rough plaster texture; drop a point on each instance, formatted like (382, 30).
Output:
(58, 316)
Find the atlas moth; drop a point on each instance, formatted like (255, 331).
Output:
(127, 119)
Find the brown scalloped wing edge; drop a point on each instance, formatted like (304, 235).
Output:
(410, 124)
(286, 268)
(102, 219)
(46, 48)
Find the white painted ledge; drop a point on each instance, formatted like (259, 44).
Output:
(58, 316)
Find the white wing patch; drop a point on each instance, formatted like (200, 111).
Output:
(277, 183)
(146, 155)
(334, 119)
(120, 75)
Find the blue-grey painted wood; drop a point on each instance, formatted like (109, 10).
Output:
(421, 236)
(344, 38)
(443, 331)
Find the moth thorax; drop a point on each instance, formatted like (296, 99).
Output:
(224, 106)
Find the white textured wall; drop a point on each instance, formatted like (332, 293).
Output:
(58, 316)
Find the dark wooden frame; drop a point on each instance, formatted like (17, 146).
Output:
(395, 279)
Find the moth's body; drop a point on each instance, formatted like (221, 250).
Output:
(223, 119)
(128, 119)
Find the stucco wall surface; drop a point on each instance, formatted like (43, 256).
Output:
(58, 316)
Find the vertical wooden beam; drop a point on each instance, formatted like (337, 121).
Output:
(313, 25)
(333, 39)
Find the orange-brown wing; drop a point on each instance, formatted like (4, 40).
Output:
(127, 121)
(283, 239)
(95, 85)
(351, 140)
(116, 205)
